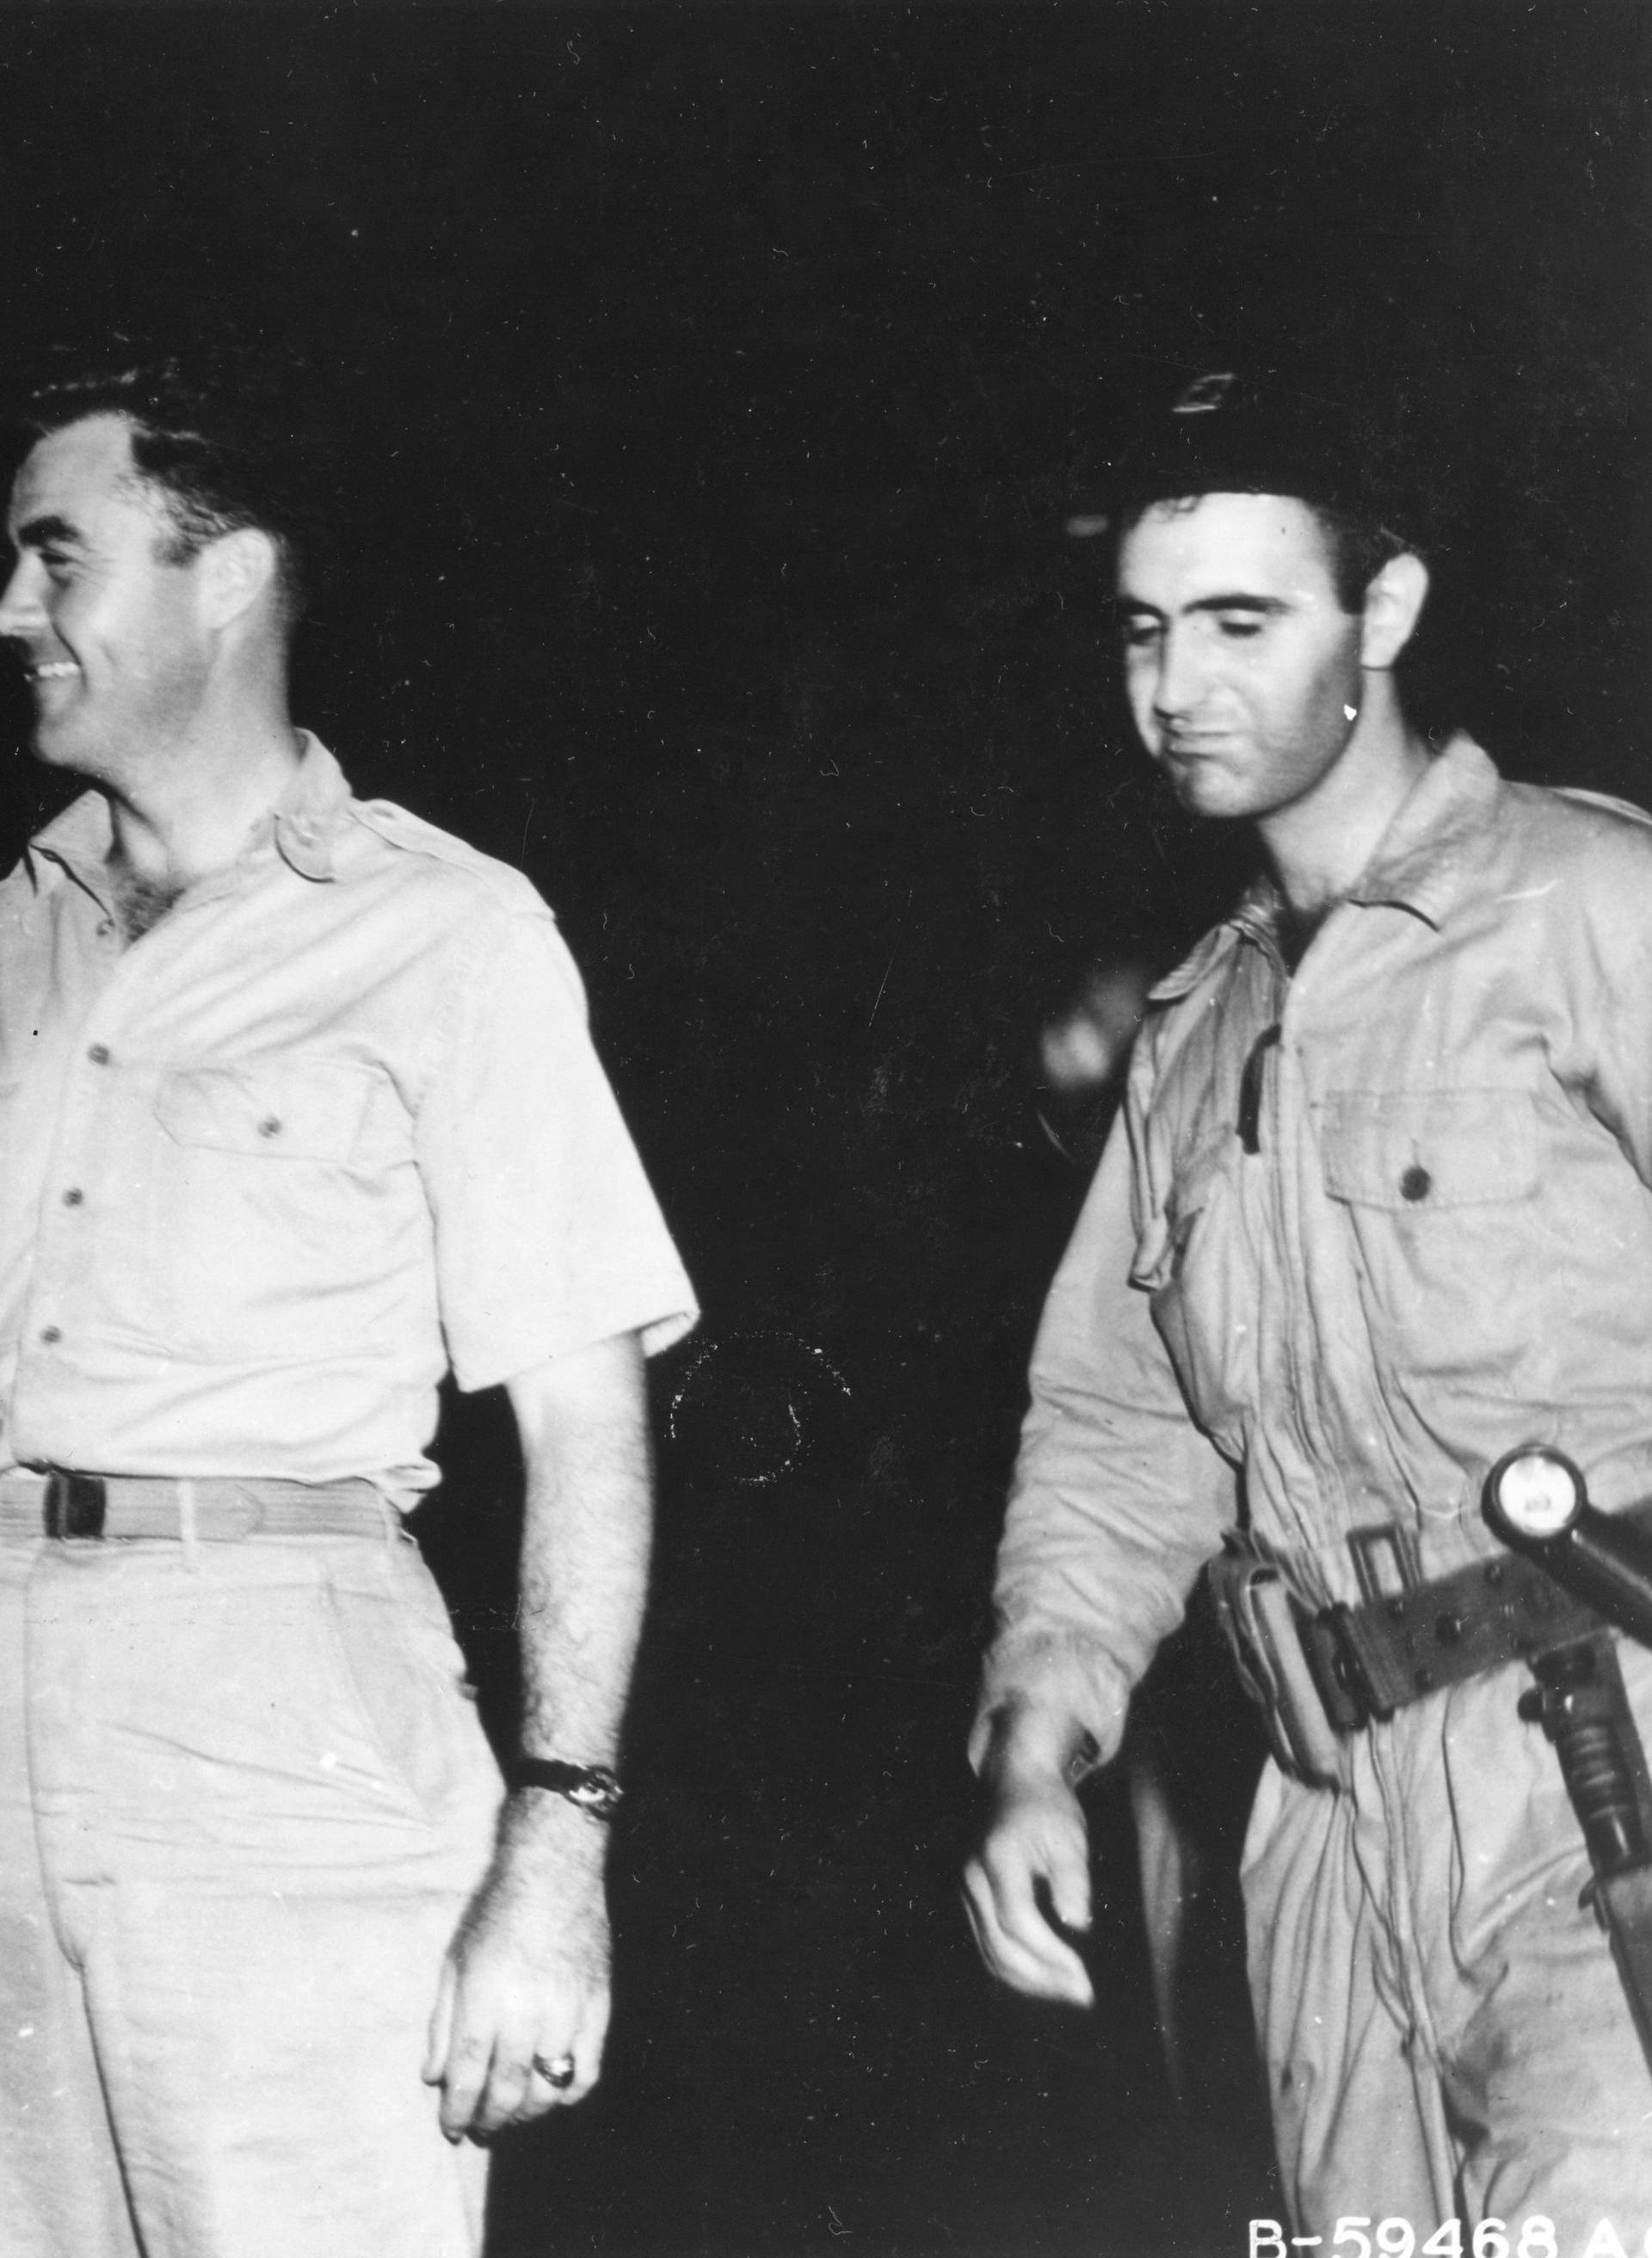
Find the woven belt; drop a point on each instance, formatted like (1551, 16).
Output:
(1370, 1660)
(67, 1504)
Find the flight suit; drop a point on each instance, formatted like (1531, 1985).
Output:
(1361, 1229)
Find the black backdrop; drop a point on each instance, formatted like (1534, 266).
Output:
(711, 379)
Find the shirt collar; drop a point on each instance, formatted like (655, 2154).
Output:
(304, 823)
(78, 838)
(310, 812)
(1418, 864)
(1422, 858)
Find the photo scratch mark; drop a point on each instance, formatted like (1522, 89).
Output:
(894, 953)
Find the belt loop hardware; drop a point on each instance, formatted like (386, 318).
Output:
(1369, 1546)
(74, 1505)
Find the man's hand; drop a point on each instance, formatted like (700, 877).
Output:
(1036, 1835)
(525, 1982)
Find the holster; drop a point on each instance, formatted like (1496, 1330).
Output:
(1265, 1627)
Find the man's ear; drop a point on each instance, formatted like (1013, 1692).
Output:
(1394, 603)
(236, 571)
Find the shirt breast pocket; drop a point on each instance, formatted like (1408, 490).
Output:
(1439, 1189)
(263, 1202)
(1195, 1263)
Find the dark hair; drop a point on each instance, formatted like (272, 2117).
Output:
(219, 445)
(1339, 437)
(1357, 546)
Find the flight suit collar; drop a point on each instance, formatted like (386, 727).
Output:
(1420, 863)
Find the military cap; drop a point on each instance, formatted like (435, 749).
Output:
(1301, 432)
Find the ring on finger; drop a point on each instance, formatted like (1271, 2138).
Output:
(556, 2070)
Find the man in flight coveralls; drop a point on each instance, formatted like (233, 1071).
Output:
(298, 1111)
(1377, 1211)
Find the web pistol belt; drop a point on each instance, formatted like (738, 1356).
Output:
(1321, 1675)
(62, 1503)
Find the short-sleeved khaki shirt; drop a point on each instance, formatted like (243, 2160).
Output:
(331, 1126)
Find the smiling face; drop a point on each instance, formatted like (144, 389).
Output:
(1243, 672)
(111, 635)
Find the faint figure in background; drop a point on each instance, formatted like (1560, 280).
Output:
(1084, 1051)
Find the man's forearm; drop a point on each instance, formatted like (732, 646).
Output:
(587, 1526)
(523, 2007)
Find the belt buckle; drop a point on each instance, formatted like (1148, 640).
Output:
(75, 1504)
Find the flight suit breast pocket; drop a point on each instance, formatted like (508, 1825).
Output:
(1439, 1190)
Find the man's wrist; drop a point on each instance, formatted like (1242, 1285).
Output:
(547, 1842)
(1029, 1746)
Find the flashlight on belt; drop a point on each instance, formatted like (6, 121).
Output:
(1536, 1501)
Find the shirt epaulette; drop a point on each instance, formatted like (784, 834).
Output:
(399, 829)
(1607, 800)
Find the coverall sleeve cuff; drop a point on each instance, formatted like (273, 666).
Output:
(1060, 1671)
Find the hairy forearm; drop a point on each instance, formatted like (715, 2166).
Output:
(587, 1524)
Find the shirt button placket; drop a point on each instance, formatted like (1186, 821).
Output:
(73, 1195)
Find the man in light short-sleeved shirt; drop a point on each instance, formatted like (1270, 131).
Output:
(298, 1111)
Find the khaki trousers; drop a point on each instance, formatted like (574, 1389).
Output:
(1442, 2026)
(244, 1797)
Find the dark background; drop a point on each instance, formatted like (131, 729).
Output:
(710, 382)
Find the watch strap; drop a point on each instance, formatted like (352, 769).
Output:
(591, 1788)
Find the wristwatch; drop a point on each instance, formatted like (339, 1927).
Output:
(592, 1788)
